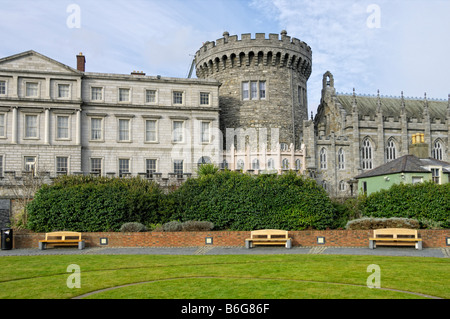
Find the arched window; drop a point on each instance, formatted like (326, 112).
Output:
(391, 151)
(342, 186)
(240, 164)
(203, 160)
(285, 164)
(341, 159)
(255, 164)
(366, 154)
(325, 185)
(437, 150)
(270, 164)
(323, 158)
(225, 164)
(298, 165)
(283, 147)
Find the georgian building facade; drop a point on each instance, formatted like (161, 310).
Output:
(58, 120)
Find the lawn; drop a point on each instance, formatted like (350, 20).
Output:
(223, 277)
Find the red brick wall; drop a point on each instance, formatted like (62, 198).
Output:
(333, 238)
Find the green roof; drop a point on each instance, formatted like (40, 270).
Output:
(391, 106)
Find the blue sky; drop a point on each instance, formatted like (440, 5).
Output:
(393, 46)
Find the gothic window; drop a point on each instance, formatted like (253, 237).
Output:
(323, 158)
(437, 150)
(391, 152)
(342, 186)
(255, 164)
(270, 164)
(366, 154)
(298, 165)
(240, 164)
(341, 159)
(285, 164)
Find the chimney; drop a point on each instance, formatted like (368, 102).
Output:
(81, 62)
(418, 147)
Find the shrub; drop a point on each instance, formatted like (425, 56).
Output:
(423, 201)
(94, 204)
(132, 227)
(172, 226)
(194, 225)
(235, 201)
(377, 223)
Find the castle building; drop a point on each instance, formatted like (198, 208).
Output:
(246, 110)
(353, 134)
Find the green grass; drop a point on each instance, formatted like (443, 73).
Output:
(223, 277)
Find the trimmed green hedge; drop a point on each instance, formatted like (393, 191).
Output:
(90, 204)
(423, 201)
(236, 201)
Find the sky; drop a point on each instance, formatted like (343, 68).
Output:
(386, 45)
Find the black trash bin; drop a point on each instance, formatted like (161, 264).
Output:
(7, 238)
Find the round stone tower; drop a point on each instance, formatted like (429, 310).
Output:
(263, 82)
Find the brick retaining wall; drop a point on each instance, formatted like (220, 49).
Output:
(333, 238)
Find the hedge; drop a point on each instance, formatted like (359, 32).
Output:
(423, 202)
(89, 204)
(236, 201)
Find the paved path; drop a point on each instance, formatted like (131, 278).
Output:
(211, 250)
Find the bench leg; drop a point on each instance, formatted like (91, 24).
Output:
(288, 244)
(371, 244)
(41, 246)
(248, 244)
(419, 245)
(81, 245)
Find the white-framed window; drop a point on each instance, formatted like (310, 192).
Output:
(63, 91)
(96, 93)
(435, 175)
(124, 166)
(177, 131)
(178, 168)
(245, 91)
(341, 159)
(150, 166)
(124, 95)
(3, 89)
(391, 151)
(31, 126)
(285, 164)
(437, 150)
(323, 158)
(30, 164)
(254, 90)
(298, 164)
(151, 130)
(205, 132)
(255, 164)
(177, 97)
(150, 96)
(62, 165)
(270, 164)
(342, 186)
(124, 130)
(204, 98)
(96, 129)
(62, 127)
(32, 89)
(262, 90)
(96, 166)
(366, 154)
(417, 179)
(2, 125)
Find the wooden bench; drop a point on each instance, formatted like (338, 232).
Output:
(395, 237)
(268, 237)
(62, 238)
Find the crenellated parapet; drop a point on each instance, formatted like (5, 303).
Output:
(258, 52)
